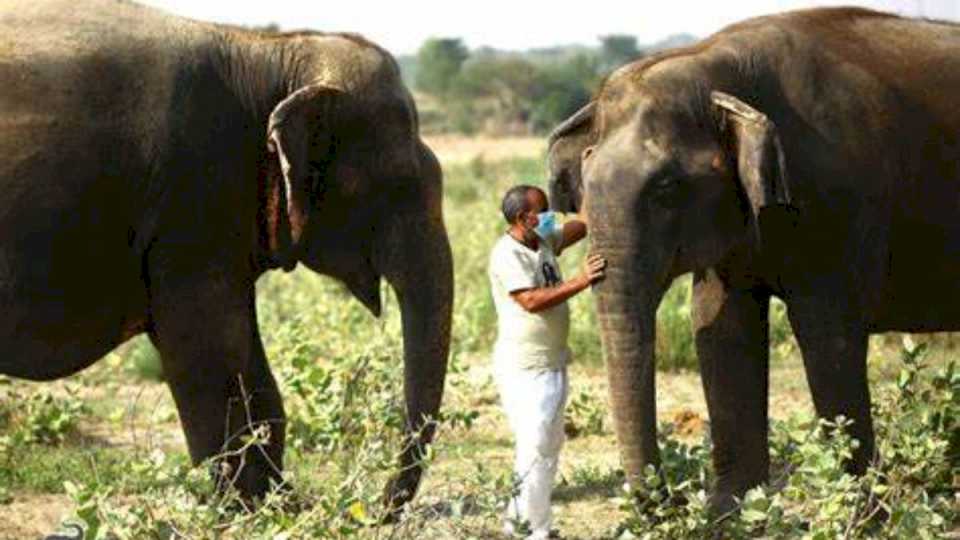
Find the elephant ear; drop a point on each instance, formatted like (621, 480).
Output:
(761, 164)
(297, 126)
(577, 119)
(565, 147)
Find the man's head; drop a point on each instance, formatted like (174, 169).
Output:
(521, 202)
(520, 207)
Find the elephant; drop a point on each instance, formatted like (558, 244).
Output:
(154, 167)
(810, 156)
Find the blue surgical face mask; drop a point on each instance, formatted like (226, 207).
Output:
(547, 225)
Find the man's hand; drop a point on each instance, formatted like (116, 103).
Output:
(594, 269)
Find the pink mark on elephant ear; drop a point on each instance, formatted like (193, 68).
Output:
(273, 232)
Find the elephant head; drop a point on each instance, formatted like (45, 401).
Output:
(678, 179)
(350, 190)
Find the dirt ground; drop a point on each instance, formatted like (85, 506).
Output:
(453, 148)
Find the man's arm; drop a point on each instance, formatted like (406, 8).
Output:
(573, 231)
(541, 298)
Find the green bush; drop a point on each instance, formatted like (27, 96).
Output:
(38, 417)
(909, 492)
(585, 415)
(143, 359)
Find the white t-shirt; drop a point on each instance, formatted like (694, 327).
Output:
(535, 341)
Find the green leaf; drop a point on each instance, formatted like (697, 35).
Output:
(753, 516)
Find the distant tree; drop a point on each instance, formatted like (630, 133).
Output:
(438, 64)
(408, 69)
(564, 88)
(506, 78)
(498, 91)
(617, 50)
(527, 95)
(512, 84)
(583, 68)
(269, 28)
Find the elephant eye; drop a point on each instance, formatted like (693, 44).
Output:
(662, 183)
(667, 189)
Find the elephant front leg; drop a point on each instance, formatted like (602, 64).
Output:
(214, 363)
(833, 342)
(732, 337)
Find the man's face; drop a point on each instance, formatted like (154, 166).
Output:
(536, 203)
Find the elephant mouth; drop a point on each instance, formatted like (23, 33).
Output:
(565, 196)
(367, 291)
(356, 273)
(571, 205)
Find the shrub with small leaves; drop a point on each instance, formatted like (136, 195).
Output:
(910, 491)
(39, 417)
(584, 415)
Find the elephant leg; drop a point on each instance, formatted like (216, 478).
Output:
(214, 363)
(833, 342)
(732, 337)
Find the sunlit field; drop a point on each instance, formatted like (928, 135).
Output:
(104, 447)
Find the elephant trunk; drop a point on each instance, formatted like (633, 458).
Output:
(422, 276)
(627, 301)
(562, 196)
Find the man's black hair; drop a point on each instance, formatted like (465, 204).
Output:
(515, 201)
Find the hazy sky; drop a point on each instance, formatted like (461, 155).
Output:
(514, 24)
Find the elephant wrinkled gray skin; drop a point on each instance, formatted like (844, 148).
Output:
(154, 167)
(812, 156)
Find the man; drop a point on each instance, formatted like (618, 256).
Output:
(531, 353)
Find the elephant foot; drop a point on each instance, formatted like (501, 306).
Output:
(729, 490)
(722, 504)
(250, 480)
(398, 493)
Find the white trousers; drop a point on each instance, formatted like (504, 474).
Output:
(534, 402)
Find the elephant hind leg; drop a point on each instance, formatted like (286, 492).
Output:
(833, 341)
(217, 371)
(731, 328)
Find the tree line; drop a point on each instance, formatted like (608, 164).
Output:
(498, 92)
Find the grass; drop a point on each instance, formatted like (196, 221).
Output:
(112, 449)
